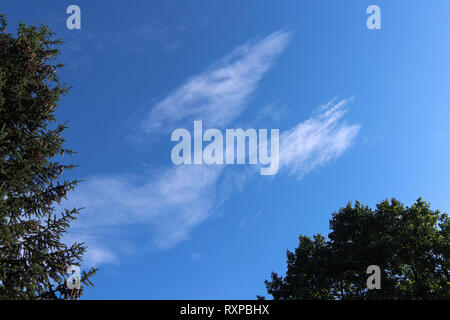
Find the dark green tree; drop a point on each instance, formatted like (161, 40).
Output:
(409, 244)
(33, 257)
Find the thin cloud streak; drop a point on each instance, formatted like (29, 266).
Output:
(171, 201)
(175, 200)
(318, 140)
(218, 95)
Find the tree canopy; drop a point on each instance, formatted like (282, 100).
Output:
(33, 257)
(409, 244)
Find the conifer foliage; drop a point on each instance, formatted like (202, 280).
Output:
(33, 255)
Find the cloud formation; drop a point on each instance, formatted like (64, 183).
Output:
(170, 202)
(317, 140)
(173, 201)
(219, 94)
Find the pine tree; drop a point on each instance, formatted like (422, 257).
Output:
(33, 257)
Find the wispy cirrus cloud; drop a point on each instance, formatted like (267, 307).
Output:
(221, 93)
(172, 200)
(317, 140)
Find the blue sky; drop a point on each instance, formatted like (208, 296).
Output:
(363, 115)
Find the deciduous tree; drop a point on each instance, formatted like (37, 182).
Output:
(409, 244)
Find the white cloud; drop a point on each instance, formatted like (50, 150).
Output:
(96, 256)
(176, 199)
(171, 201)
(218, 95)
(317, 140)
(97, 252)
